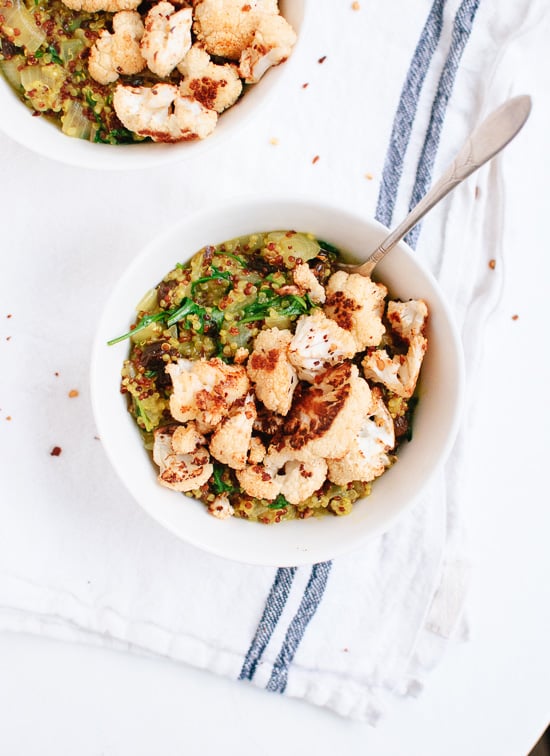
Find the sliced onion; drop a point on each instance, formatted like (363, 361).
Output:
(17, 17)
(74, 123)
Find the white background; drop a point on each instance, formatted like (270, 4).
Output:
(489, 695)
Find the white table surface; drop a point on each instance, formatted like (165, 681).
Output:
(489, 695)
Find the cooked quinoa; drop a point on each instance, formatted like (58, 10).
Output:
(121, 71)
(242, 317)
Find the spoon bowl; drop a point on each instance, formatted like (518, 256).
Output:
(487, 140)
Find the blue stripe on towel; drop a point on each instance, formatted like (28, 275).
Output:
(274, 606)
(406, 111)
(310, 601)
(462, 28)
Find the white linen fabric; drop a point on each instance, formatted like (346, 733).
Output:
(389, 99)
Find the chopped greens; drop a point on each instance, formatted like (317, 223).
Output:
(145, 321)
(279, 503)
(217, 482)
(268, 300)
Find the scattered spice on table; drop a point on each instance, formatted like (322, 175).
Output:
(322, 60)
(56, 451)
(369, 176)
(477, 192)
(492, 264)
(8, 417)
(73, 393)
(355, 6)
(315, 159)
(274, 141)
(515, 317)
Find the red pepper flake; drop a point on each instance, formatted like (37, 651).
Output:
(56, 374)
(8, 417)
(16, 32)
(306, 85)
(9, 316)
(515, 317)
(73, 393)
(492, 264)
(56, 451)
(315, 159)
(322, 60)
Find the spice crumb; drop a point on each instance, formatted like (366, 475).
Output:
(274, 140)
(315, 159)
(73, 393)
(369, 176)
(97, 438)
(8, 338)
(56, 374)
(355, 6)
(492, 264)
(305, 85)
(56, 451)
(9, 316)
(515, 317)
(8, 417)
(322, 60)
(477, 192)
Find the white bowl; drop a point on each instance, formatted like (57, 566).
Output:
(297, 541)
(45, 138)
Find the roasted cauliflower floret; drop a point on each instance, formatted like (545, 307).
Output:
(325, 417)
(408, 318)
(271, 372)
(259, 481)
(161, 113)
(305, 280)
(230, 441)
(181, 472)
(300, 480)
(318, 343)
(356, 303)
(205, 390)
(272, 44)
(92, 6)
(256, 451)
(221, 507)
(368, 456)
(280, 473)
(167, 37)
(226, 27)
(186, 438)
(119, 52)
(400, 372)
(217, 87)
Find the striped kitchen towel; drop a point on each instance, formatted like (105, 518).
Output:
(377, 104)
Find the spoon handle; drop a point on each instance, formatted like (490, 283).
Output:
(491, 136)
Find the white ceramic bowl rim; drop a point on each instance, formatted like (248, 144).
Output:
(295, 542)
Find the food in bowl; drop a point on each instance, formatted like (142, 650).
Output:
(117, 71)
(267, 383)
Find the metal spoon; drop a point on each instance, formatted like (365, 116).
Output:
(496, 131)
